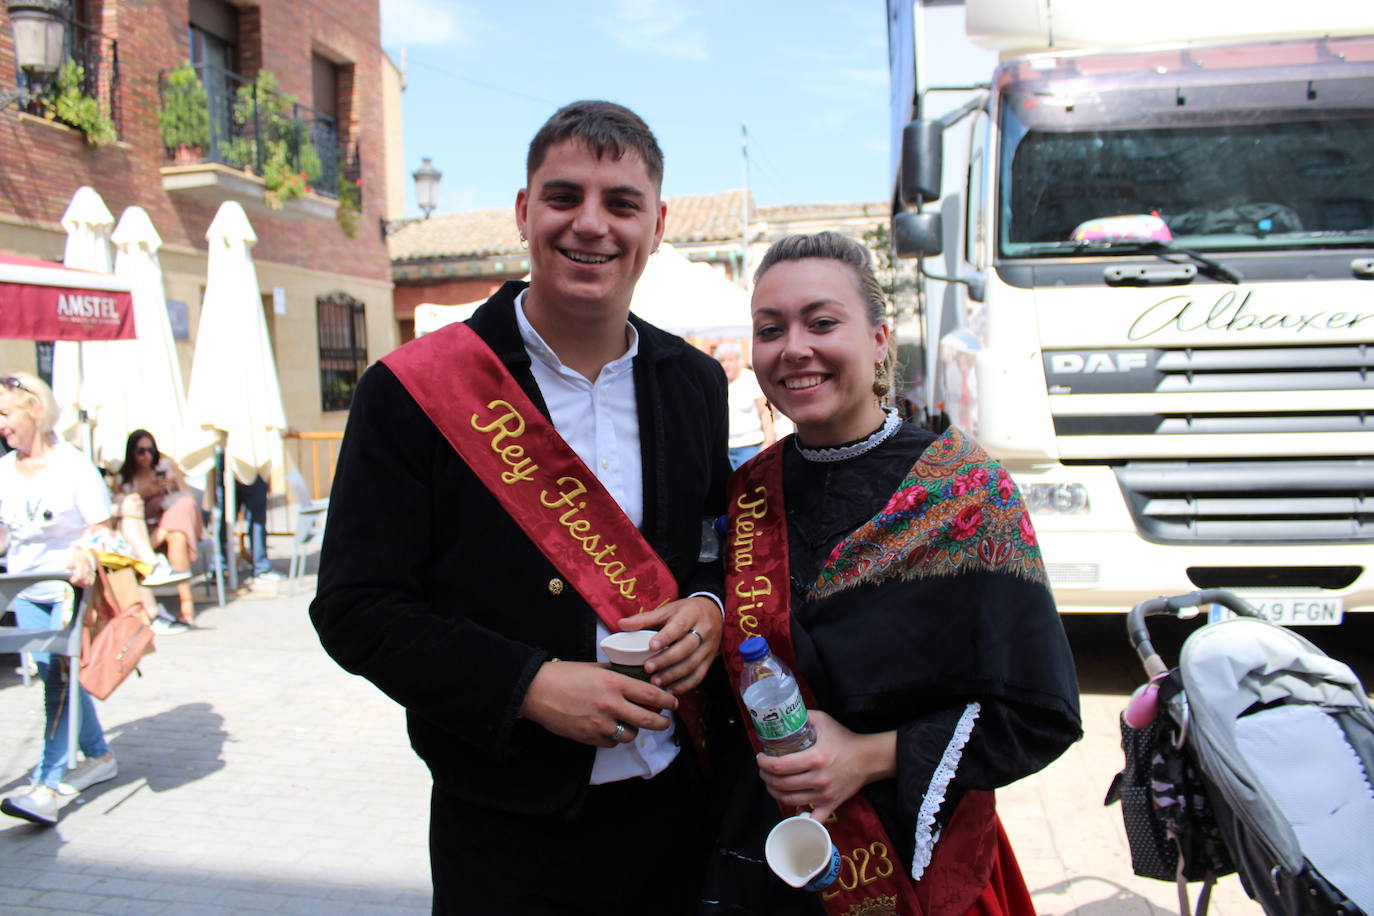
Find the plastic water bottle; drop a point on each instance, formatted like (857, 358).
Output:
(774, 700)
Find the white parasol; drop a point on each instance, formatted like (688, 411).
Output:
(88, 223)
(234, 397)
(137, 383)
(690, 299)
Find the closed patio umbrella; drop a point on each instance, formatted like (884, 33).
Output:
(234, 397)
(137, 383)
(88, 223)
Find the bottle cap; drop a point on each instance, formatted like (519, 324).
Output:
(753, 648)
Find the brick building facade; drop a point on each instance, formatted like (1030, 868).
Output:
(311, 271)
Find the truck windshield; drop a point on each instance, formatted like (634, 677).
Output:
(1244, 159)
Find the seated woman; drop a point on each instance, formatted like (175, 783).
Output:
(158, 512)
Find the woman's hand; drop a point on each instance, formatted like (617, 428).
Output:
(829, 772)
(82, 568)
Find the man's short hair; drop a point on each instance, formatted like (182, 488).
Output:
(608, 128)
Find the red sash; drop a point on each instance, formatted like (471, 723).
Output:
(872, 882)
(470, 396)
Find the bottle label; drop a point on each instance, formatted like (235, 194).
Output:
(773, 722)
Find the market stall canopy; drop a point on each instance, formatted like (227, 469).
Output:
(41, 300)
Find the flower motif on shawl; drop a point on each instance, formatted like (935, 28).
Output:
(957, 510)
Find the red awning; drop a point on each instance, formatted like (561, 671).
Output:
(41, 300)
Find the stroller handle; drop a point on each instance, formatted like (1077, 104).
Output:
(1139, 633)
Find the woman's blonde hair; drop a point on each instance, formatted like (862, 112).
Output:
(832, 246)
(36, 397)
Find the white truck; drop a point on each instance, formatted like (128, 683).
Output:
(1155, 302)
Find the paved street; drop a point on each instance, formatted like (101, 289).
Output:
(255, 776)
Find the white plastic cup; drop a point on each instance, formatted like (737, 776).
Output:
(800, 852)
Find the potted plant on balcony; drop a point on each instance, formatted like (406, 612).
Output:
(350, 204)
(185, 115)
(71, 104)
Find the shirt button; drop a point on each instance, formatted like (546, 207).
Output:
(605, 462)
(555, 586)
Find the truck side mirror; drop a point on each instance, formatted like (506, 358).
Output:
(917, 234)
(922, 161)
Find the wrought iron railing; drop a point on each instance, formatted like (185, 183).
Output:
(98, 57)
(220, 116)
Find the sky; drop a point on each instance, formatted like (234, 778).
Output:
(808, 79)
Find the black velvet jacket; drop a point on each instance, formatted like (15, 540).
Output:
(430, 591)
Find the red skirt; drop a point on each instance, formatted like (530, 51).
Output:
(1005, 893)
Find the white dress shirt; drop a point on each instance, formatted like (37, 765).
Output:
(600, 421)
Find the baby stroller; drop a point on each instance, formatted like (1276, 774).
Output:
(1254, 755)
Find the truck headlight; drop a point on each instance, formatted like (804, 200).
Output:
(1057, 498)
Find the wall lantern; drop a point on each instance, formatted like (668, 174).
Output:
(427, 186)
(40, 30)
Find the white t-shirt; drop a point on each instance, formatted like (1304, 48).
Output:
(49, 512)
(746, 426)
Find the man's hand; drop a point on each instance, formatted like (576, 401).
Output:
(829, 772)
(586, 702)
(687, 641)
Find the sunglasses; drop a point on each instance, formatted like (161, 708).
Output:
(11, 384)
(145, 450)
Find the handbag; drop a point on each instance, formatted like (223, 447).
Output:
(116, 638)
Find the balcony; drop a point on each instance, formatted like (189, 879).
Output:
(86, 92)
(227, 137)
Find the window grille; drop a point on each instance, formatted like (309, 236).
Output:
(343, 348)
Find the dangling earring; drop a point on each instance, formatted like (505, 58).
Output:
(880, 382)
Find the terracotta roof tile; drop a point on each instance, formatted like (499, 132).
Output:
(487, 233)
(706, 217)
(790, 212)
(474, 234)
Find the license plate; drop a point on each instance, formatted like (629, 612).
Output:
(1290, 612)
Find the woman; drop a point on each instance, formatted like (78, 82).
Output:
(157, 511)
(50, 498)
(918, 620)
(751, 422)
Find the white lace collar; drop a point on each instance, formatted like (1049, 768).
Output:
(891, 421)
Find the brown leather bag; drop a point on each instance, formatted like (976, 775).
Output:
(117, 635)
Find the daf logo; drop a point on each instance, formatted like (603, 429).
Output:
(1096, 363)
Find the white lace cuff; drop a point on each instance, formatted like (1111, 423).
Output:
(935, 792)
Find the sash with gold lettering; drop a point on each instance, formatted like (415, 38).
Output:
(537, 478)
(758, 596)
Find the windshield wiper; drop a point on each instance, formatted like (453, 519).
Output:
(1206, 266)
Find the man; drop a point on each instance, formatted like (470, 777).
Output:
(560, 786)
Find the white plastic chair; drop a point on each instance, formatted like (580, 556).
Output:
(65, 641)
(310, 517)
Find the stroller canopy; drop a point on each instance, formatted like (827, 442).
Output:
(1287, 735)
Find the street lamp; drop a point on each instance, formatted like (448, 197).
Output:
(39, 28)
(427, 186)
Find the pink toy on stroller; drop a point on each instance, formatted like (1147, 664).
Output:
(1253, 755)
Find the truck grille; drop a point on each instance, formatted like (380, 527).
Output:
(1177, 374)
(1252, 502)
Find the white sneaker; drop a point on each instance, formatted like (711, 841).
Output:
(38, 804)
(88, 773)
(164, 574)
(163, 626)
